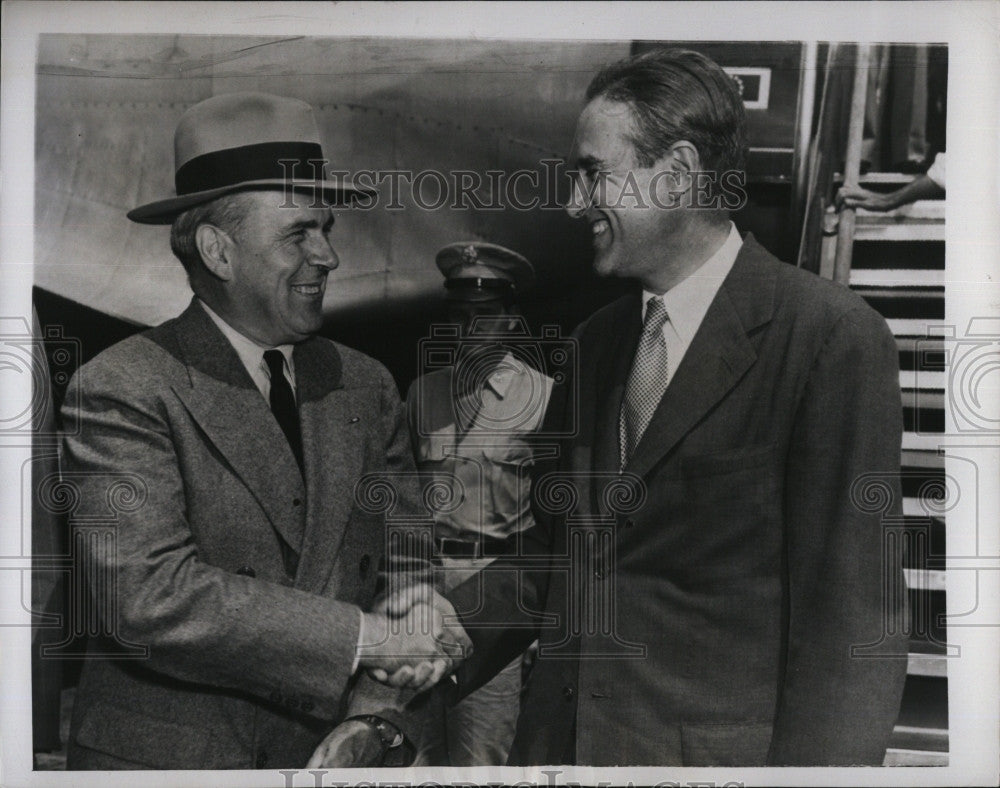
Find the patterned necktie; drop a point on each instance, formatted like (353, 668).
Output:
(283, 402)
(646, 382)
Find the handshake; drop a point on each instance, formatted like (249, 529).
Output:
(412, 639)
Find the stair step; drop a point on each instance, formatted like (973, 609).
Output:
(911, 737)
(927, 665)
(895, 277)
(897, 757)
(913, 303)
(920, 344)
(922, 379)
(905, 231)
(922, 441)
(928, 460)
(924, 579)
(923, 399)
(916, 327)
(899, 178)
(919, 211)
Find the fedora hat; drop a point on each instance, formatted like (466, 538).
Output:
(243, 141)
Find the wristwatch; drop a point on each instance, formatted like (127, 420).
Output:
(388, 733)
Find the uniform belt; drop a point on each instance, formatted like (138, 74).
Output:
(470, 547)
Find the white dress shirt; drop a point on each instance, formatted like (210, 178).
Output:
(251, 353)
(687, 302)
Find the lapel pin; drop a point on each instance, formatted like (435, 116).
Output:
(353, 419)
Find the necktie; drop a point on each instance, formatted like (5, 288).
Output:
(646, 382)
(283, 402)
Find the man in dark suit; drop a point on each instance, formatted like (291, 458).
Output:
(730, 607)
(222, 453)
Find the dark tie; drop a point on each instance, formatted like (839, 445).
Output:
(283, 402)
(646, 382)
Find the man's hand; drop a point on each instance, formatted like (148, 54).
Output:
(856, 197)
(406, 643)
(351, 744)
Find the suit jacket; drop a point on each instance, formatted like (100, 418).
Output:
(180, 457)
(735, 581)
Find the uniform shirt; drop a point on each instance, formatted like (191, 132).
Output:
(474, 443)
(687, 302)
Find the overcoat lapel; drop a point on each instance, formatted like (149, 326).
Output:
(229, 408)
(719, 355)
(333, 420)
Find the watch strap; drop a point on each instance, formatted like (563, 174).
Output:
(388, 733)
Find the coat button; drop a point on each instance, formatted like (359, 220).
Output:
(246, 571)
(307, 705)
(296, 502)
(568, 692)
(366, 562)
(275, 697)
(261, 762)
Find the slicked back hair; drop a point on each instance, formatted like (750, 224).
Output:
(678, 94)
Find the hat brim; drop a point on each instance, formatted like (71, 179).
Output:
(339, 192)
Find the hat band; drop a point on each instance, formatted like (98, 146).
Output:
(258, 162)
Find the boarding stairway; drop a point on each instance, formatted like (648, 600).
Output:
(896, 262)
(897, 266)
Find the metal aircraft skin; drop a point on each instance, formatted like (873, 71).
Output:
(107, 106)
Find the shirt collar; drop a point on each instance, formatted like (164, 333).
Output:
(688, 300)
(250, 351)
(500, 378)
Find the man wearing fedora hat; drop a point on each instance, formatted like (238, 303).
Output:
(470, 425)
(242, 562)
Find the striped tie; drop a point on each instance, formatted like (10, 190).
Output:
(646, 382)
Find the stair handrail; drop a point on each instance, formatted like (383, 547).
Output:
(852, 164)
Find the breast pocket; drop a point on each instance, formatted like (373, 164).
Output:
(507, 468)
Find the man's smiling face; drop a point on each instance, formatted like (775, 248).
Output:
(627, 226)
(281, 258)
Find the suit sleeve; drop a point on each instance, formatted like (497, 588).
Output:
(499, 607)
(199, 623)
(837, 707)
(369, 696)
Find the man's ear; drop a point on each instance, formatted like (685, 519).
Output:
(215, 246)
(685, 156)
(679, 165)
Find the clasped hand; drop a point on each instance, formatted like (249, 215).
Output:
(406, 643)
